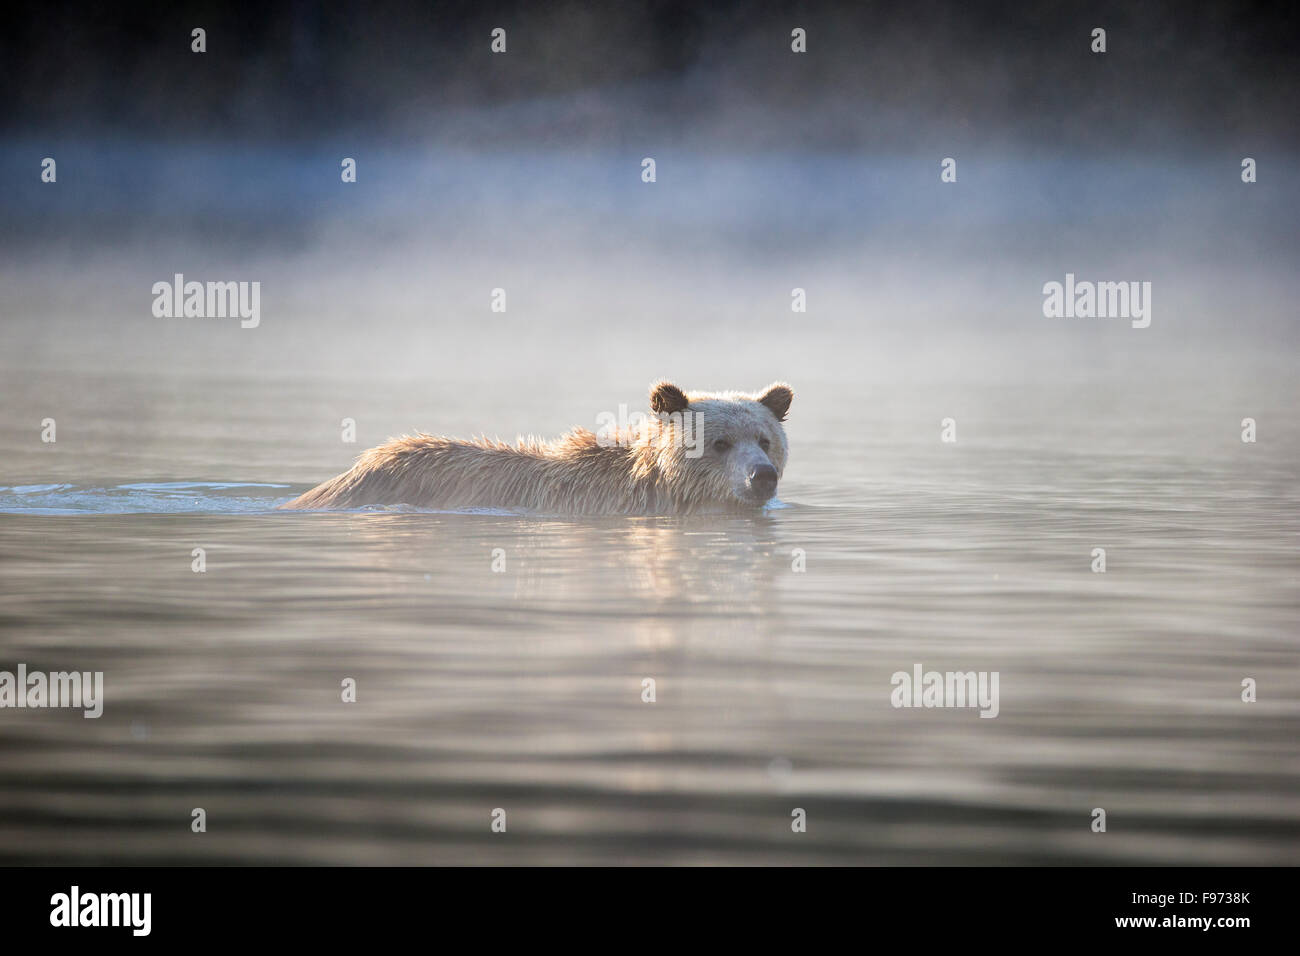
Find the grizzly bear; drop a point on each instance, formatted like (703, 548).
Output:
(697, 452)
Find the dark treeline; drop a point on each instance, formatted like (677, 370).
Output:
(307, 69)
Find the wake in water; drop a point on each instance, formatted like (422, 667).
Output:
(190, 497)
(146, 497)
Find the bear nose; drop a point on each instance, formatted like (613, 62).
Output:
(762, 478)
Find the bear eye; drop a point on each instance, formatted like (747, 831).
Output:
(764, 444)
(721, 445)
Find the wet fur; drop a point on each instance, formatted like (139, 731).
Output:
(643, 474)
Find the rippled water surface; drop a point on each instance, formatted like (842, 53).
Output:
(522, 689)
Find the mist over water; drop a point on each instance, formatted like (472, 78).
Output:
(522, 689)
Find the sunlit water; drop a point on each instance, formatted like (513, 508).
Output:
(521, 689)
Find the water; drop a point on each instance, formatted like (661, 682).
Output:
(522, 690)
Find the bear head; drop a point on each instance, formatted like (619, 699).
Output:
(719, 448)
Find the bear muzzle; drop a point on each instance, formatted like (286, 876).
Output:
(760, 483)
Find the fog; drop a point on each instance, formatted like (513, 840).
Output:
(775, 171)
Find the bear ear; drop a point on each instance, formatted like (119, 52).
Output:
(666, 398)
(777, 398)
